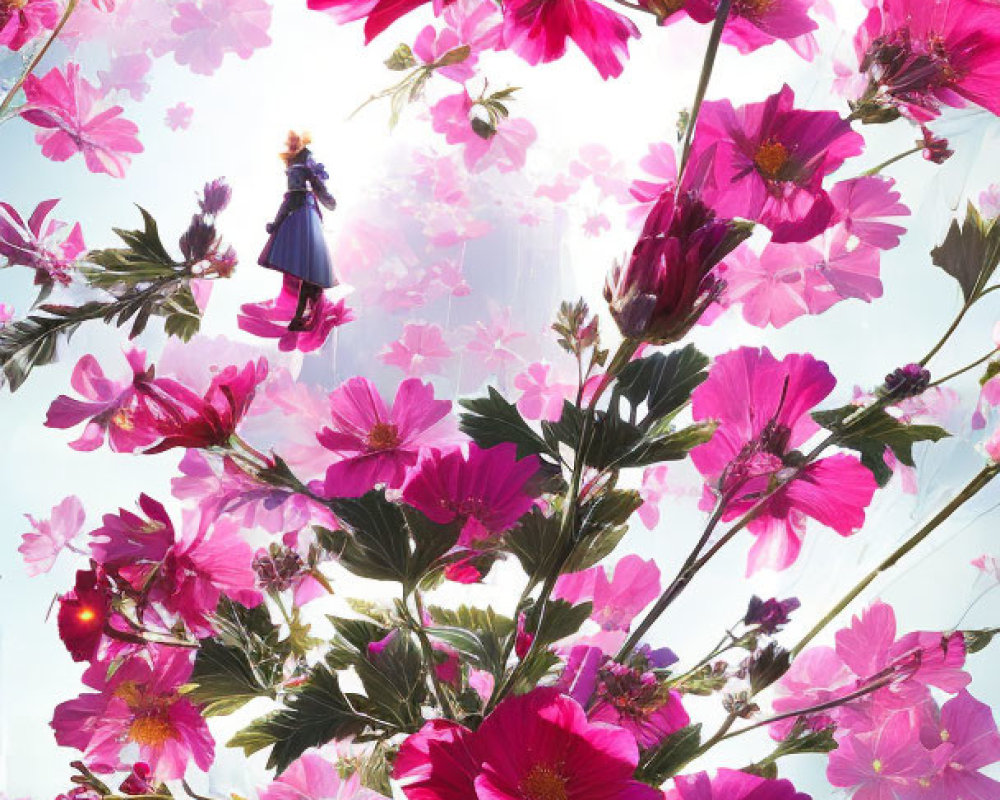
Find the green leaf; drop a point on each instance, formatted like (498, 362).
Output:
(670, 757)
(663, 382)
(480, 635)
(979, 640)
(535, 542)
(970, 252)
(873, 433)
(492, 420)
(560, 619)
(431, 541)
(394, 680)
(316, 714)
(401, 59)
(182, 317)
(245, 660)
(375, 542)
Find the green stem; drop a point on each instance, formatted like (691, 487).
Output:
(890, 161)
(12, 93)
(706, 74)
(980, 481)
(965, 369)
(444, 701)
(947, 334)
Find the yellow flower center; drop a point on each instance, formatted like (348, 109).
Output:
(771, 158)
(123, 419)
(945, 735)
(150, 731)
(754, 8)
(86, 614)
(877, 766)
(383, 436)
(13, 5)
(544, 783)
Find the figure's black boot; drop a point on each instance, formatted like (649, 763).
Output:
(297, 323)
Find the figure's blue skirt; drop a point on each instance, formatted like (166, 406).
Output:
(299, 248)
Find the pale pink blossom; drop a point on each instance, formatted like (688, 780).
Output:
(478, 23)
(421, 350)
(596, 162)
(616, 602)
(505, 149)
(560, 190)
(179, 117)
(989, 202)
(208, 29)
(989, 565)
(541, 396)
(313, 777)
(41, 244)
(653, 490)
(596, 224)
(431, 44)
(74, 119)
(48, 537)
(660, 165)
(127, 73)
(491, 347)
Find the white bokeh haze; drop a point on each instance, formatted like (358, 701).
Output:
(312, 77)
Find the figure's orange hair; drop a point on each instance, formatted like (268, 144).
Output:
(294, 144)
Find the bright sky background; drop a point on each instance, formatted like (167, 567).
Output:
(312, 77)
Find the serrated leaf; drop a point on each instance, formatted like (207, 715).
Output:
(314, 715)
(871, 434)
(970, 252)
(559, 620)
(535, 542)
(182, 317)
(431, 541)
(375, 543)
(394, 680)
(491, 420)
(670, 756)
(663, 383)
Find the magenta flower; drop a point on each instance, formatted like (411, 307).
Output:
(506, 147)
(421, 350)
(210, 29)
(138, 705)
(616, 602)
(669, 281)
(921, 54)
(431, 44)
(181, 418)
(861, 206)
(51, 536)
(110, 407)
(378, 14)
(184, 576)
(770, 160)
(377, 444)
(730, 784)
(637, 702)
(313, 777)
(84, 612)
(270, 319)
(880, 764)
(488, 490)
(759, 431)
(178, 117)
(537, 746)
(74, 120)
(963, 741)
(537, 31)
(753, 24)
(39, 243)
(22, 21)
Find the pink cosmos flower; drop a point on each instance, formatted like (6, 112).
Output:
(39, 243)
(759, 431)
(536, 746)
(421, 350)
(179, 117)
(540, 398)
(770, 160)
(616, 602)
(729, 784)
(922, 54)
(488, 490)
(537, 31)
(181, 418)
(138, 705)
(478, 23)
(21, 22)
(880, 764)
(110, 407)
(209, 29)
(506, 149)
(49, 537)
(490, 347)
(378, 444)
(73, 119)
(753, 24)
(962, 740)
(378, 14)
(431, 44)
(187, 575)
(313, 777)
(861, 206)
(269, 319)
(127, 74)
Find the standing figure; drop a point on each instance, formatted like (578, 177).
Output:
(297, 246)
